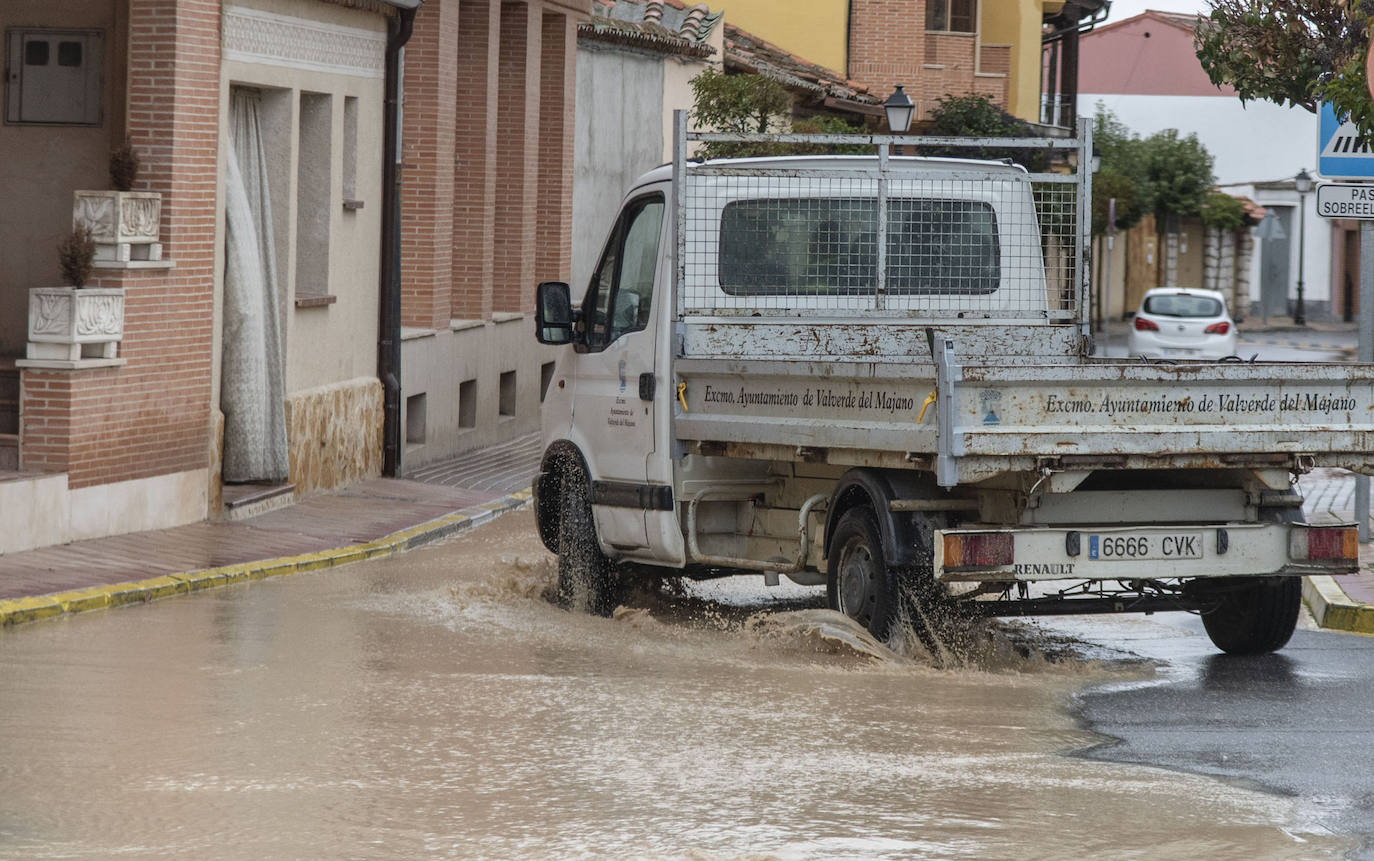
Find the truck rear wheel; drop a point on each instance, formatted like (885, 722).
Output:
(858, 582)
(1254, 616)
(586, 579)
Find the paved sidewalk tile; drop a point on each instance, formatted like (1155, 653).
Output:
(398, 512)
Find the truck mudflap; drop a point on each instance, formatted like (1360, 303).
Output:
(1144, 552)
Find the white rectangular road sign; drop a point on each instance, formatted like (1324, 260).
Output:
(1345, 200)
(1341, 152)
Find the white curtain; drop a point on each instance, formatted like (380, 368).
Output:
(252, 390)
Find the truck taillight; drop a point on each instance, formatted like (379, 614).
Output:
(1326, 542)
(1218, 328)
(1143, 325)
(979, 549)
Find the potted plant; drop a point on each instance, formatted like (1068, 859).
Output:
(75, 322)
(124, 223)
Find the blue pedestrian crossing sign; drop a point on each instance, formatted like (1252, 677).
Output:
(1341, 152)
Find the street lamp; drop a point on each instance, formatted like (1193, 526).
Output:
(1303, 183)
(899, 109)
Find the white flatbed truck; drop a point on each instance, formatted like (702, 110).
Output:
(757, 383)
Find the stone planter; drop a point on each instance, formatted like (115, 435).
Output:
(67, 324)
(124, 224)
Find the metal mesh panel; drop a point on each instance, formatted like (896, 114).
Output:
(865, 236)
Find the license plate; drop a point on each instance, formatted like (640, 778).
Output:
(1181, 352)
(1126, 546)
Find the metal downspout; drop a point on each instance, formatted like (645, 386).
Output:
(389, 310)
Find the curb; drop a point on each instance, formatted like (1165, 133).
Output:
(16, 610)
(1333, 609)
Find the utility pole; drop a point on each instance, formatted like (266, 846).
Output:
(1366, 356)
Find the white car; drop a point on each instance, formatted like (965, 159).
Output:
(1183, 323)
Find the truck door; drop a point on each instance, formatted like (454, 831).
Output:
(608, 412)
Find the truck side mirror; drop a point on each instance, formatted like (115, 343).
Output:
(553, 315)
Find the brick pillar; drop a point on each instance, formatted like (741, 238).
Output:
(152, 415)
(558, 92)
(474, 192)
(517, 148)
(431, 68)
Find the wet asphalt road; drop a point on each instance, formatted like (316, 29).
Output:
(1299, 722)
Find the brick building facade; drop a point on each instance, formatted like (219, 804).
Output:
(130, 437)
(487, 148)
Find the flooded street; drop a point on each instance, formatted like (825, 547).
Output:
(436, 705)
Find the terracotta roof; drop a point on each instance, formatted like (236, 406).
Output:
(1253, 211)
(745, 52)
(661, 26)
(1181, 20)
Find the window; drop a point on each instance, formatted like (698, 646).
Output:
(467, 404)
(314, 162)
(506, 394)
(415, 419)
(53, 77)
(828, 246)
(545, 379)
(1182, 305)
(350, 153)
(952, 16)
(621, 292)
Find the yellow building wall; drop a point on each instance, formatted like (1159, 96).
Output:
(1017, 23)
(814, 30)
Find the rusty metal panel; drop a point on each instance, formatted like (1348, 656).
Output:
(889, 342)
(1005, 413)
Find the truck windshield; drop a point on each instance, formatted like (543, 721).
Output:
(827, 246)
(1182, 305)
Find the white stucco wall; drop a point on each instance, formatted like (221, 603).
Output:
(330, 343)
(619, 135)
(1255, 142)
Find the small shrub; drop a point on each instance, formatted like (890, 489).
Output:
(1223, 211)
(76, 256)
(123, 167)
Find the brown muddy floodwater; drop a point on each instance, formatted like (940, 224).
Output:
(435, 705)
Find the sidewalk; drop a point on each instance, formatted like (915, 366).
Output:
(369, 519)
(386, 516)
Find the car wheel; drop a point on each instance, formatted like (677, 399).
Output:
(858, 582)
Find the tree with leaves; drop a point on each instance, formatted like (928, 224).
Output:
(752, 104)
(979, 116)
(1292, 52)
(1177, 171)
(1120, 175)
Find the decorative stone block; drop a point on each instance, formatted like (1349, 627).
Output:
(70, 324)
(124, 224)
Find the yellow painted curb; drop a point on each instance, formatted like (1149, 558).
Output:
(1333, 609)
(30, 609)
(95, 598)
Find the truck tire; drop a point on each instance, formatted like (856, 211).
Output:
(1254, 616)
(586, 580)
(858, 581)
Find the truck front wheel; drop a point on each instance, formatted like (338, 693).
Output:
(587, 581)
(1253, 616)
(858, 581)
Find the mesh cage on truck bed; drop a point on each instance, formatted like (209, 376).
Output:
(962, 239)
